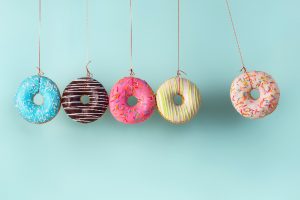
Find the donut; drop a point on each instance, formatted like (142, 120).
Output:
(26, 106)
(191, 100)
(80, 111)
(245, 104)
(119, 95)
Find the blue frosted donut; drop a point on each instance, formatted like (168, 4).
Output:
(32, 112)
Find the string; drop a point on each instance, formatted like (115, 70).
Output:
(179, 71)
(178, 39)
(87, 35)
(244, 69)
(40, 73)
(236, 37)
(131, 43)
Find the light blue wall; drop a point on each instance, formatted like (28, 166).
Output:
(218, 156)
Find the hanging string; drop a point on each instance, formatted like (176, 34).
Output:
(40, 73)
(178, 39)
(244, 69)
(236, 37)
(87, 35)
(131, 43)
(179, 71)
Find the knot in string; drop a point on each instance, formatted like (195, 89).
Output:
(40, 72)
(244, 69)
(88, 73)
(179, 72)
(131, 72)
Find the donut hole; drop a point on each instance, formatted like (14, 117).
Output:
(38, 99)
(178, 99)
(132, 101)
(85, 99)
(255, 94)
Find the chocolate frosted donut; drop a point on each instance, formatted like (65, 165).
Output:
(80, 111)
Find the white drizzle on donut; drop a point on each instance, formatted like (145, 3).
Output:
(85, 113)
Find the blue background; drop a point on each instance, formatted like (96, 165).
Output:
(217, 156)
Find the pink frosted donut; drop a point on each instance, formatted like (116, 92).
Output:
(245, 104)
(125, 88)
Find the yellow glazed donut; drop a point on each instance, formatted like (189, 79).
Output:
(191, 100)
(245, 104)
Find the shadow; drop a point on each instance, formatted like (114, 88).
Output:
(218, 111)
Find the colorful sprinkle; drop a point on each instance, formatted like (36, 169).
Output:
(125, 88)
(244, 103)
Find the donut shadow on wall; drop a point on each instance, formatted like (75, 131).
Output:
(217, 109)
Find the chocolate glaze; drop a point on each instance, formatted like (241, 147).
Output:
(94, 109)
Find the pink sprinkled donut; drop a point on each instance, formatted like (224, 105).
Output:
(245, 104)
(119, 95)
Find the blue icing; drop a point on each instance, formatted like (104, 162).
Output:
(24, 99)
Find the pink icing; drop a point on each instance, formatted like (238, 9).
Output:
(125, 88)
